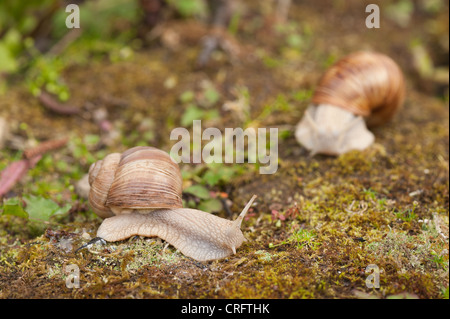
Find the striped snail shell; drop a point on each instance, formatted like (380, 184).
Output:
(139, 193)
(141, 178)
(363, 89)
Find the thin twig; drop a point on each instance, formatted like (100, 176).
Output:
(225, 206)
(18, 169)
(45, 147)
(221, 11)
(53, 105)
(282, 10)
(66, 40)
(15, 172)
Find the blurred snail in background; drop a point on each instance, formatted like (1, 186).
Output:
(139, 192)
(363, 89)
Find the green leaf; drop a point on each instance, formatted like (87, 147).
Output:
(211, 96)
(212, 205)
(188, 8)
(187, 96)
(7, 62)
(91, 139)
(198, 191)
(228, 172)
(285, 134)
(191, 114)
(212, 115)
(295, 41)
(212, 178)
(302, 95)
(12, 206)
(42, 209)
(217, 173)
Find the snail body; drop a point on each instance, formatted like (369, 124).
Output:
(139, 192)
(197, 234)
(363, 89)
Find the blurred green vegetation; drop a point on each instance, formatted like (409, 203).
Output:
(36, 44)
(31, 31)
(36, 211)
(189, 8)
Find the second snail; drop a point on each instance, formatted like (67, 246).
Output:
(360, 91)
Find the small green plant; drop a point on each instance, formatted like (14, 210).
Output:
(445, 293)
(234, 22)
(370, 193)
(301, 238)
(193, 112)
(43, 71)
(45, 74)
(208, 176)
(189, 8)
(407, 215)
(203, 199)
(213, 174)
(35, 209)
(80, 149)
(18, 19)
(281, 104)
(439, 260)
(382, 203)
(302, 95)
(198, 107)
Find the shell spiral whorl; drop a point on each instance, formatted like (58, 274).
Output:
(141, 178)
(369, 84)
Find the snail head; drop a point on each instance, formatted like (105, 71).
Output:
(331, 130)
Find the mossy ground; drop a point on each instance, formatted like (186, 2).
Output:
(319, 221)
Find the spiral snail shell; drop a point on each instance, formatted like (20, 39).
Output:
(139, 192)
(141, 178)
(363, 89)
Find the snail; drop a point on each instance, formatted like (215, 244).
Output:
(363, 89)
(139, 192)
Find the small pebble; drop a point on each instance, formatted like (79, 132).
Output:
(86, 236)
(65, 245)
(415, 193)
(82, 187)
